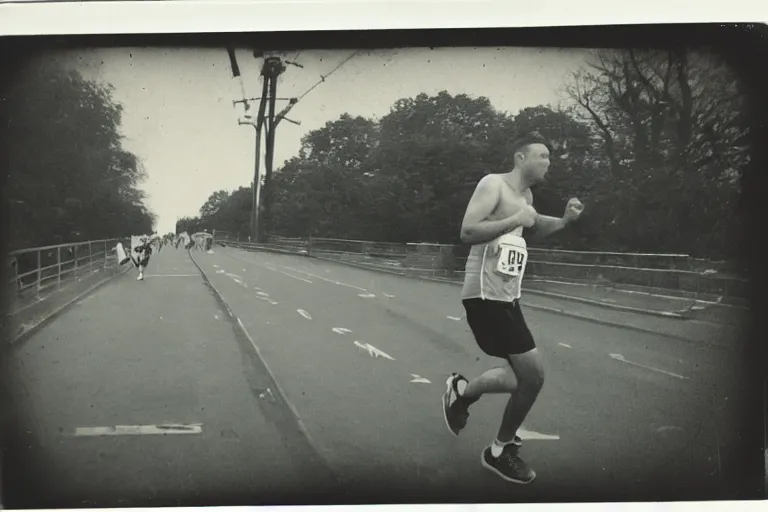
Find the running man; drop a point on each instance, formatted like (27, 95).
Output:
(500, 208)
(143, 252)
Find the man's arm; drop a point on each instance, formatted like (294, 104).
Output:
(475, 229)
(546, 225)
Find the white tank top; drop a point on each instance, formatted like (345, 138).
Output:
(494, 270)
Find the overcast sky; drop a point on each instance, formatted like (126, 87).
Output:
(180, 121)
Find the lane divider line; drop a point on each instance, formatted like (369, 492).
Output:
(341, 330)
(295, 277)
(565, 345)
(619, 357)
(304, 314)
(326, 279)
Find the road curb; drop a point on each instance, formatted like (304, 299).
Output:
(620, 325)
(630, 309)
(586, 318)
(282, 396)
(62, 309)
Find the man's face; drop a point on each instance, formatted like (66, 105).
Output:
(534, 162)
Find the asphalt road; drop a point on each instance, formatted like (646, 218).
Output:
(361, 358)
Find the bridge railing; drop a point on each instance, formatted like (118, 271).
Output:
(37, 270)
(677, 274)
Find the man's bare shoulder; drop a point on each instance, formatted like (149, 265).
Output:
(489, 181)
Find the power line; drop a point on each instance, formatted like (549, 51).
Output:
(322, 78)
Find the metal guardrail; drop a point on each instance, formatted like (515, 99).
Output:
(36, 270)
(667, 273)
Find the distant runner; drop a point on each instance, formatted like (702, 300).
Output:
(499, 210)
(141, 250)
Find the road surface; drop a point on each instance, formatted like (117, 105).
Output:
(304, 381)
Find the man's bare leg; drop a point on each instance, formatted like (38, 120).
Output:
(529, 369)
(502, 456)
(501, 379)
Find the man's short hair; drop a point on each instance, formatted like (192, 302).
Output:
(528, 140)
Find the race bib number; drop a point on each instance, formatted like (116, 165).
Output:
(513, 256)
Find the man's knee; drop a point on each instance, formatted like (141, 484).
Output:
(529, 369)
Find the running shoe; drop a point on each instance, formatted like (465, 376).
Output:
(508, 465)
(455, 408)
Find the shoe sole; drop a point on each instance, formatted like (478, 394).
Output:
(502, 475)
(448, 390)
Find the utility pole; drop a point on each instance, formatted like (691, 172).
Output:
(272, 68)
(258, 124)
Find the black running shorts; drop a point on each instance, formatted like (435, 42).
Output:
(499, 327)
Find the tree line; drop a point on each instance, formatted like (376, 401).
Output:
(653, 142)
(68, 177)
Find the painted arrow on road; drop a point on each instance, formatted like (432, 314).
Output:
(373, 351)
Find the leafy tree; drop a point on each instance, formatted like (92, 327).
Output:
(69, 177)
(214, 203)
(671, 136)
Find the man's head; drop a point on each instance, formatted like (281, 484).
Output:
(531, 156)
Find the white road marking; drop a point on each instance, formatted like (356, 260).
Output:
(267, 392)
(233, 276)
(366, 295)
(273, 302)
(325, 279)
(341, 330)
(215, 266)
(419, 379)
(140, 430)
(619, 357)
(530, 435)
(304, 314)
(373, 351)
(668, 428)
(263, 294)
(221, 271)
(299, 278)
(455, 318)
(389, 296)
(172, 275)
(217, 316)
(565, 345)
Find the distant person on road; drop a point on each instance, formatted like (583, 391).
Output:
(500, 208)
(140, 254)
